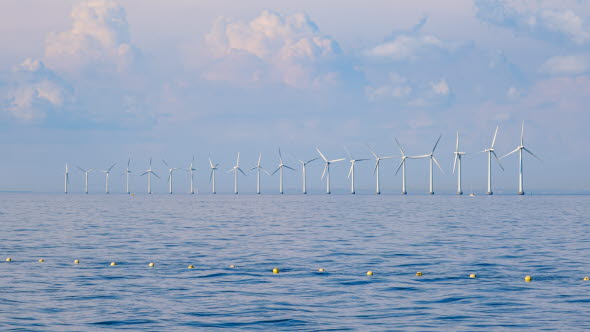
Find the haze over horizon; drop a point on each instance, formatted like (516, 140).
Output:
(91, 83)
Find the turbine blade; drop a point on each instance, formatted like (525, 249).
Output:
(156, 175)
(373, 152)
(265, 171)
(211, 176)
(321, 154)
(399, 167)
(455, 163)
(351, 168)
(388, 157)
(437, 164)
(436, 144)
(80, 168)
(498, 159)
(239, 169)
(532, 154)
(128, 162)
(238, 160)
(259, 158)
(376, 166)
(280, 156)
(276, 170)
(400, 147)
(495, 134)
(165, 163)
(314, 159)
(211, 163)
(522, 134)
(337, 160)
(324, 172)
(457, 145)
(348, 152)
(289, 167)
(111, 167)
(506, 155)
(142, 174)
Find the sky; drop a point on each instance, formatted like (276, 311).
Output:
(92, 83)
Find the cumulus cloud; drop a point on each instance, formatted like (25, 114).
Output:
(567, 65)
(540, 19)
(405, 47)
(404, 91)
(33, 92)
(271, 47)
(99, 36)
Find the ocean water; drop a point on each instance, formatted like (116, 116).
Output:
(500, 238)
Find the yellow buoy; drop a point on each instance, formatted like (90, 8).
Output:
(113, 263)
(76, 261)
(528, 278)
(8, 259)
(586, 278)
(275, 270)
(151, 264)
(369, 273)
(41, 260)
(418, 274)
(321, 269)
(232, 266)
(191, 267)
(472, 275)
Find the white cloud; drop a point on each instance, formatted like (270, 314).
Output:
(440, 88)
(99, 36)
(410, 93)
(405, 47)
(566, 65)
(271, 47)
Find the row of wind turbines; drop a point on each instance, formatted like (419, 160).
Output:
(236, 169)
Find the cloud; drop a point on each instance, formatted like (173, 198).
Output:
(271, 47)
(567, 65)
(33, 92)
(99, 36)
(401, 90)
(405, 47)
(539, 19)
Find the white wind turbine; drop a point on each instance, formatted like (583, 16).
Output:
(304, 173)
(457, 163)
(491, 152)
(351, 171)
(520, 148)
(376, 170)
(106, 173)
(190, 170)
(149, 173)
(213, 168)
(235, 169)
(402, 165)
(432, 158)
(127, 172)
(258, 169)
(85, 178)
(170, 171)
(327, 169)
(280, 170)
(66, 179)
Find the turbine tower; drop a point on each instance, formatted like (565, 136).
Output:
(376, 170)
(280, 170)
(520, 148)
(304, 173)
(351, 171)
(457, 163)
(258, 169)
(85, 178)
(491, 152)
(66, 179)
(432, 158)
(170, 171)
(107, 172)
(235, 169)
(149, 173)
(213, 168)
(127, 172)
(190, 170)
(327, 169)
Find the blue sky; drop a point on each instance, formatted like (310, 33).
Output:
(90, 83)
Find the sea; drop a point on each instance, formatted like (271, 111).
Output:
(235, 241)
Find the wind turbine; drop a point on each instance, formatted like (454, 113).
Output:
(304, 174)
(376, 170)
(258, 168)
(432, 158)
(351, 171)
(327, 169)
(213, 168)
(235, 169)
(127, 172)
(66, 179)
(402, 165)
(170, 171)
(191, 169)
(520, 148)
(107, 172)
(491, 152)
(149, 173)
(85, 178)
(280, 170)
(457, 163)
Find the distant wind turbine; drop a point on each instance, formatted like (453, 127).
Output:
(351, 171)
(149, 173)
(326, 171)
(258, 169)
(280, 170)
(106, 173)
(235, 169)
(376, 170)
(127, 172)
(190, 171)
(520, 148)
(213, 168)
(85, 178)
(402, 165)
(304, 174)
(66, 179)
(432, 158)
(491, 152)
(457, 163)
(170, 171)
